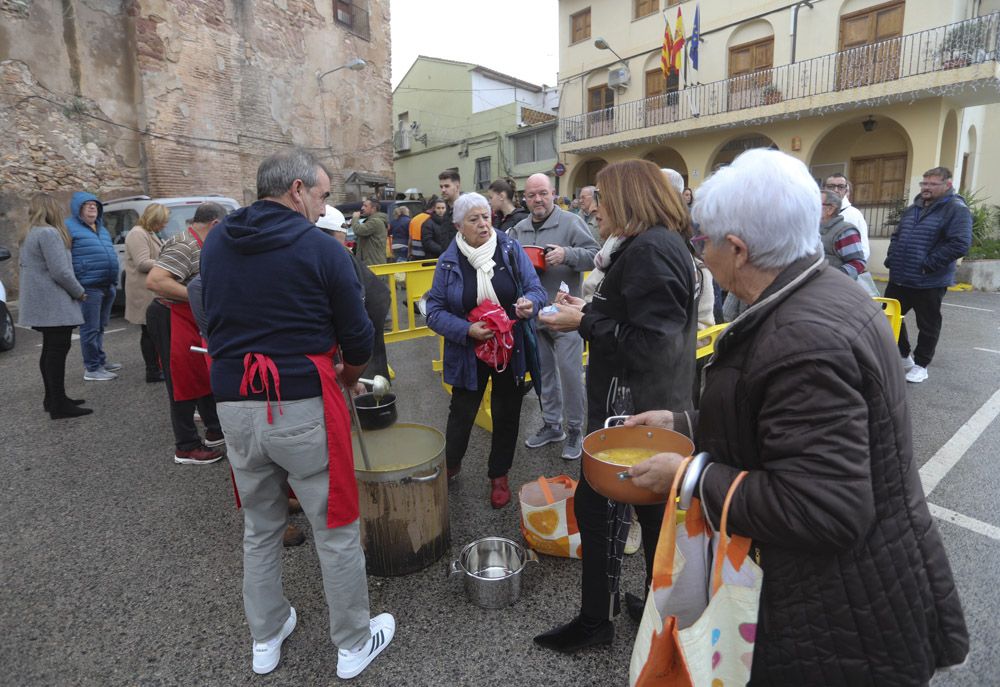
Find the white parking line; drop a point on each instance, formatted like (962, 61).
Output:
(76, 337)
(966, 307)
(941, 463)
(965, 521)
(985, 350)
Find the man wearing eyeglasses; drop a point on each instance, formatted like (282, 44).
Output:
(839, 184)
(933, 232)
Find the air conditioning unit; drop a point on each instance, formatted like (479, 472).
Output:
(619, 78)
(402, 140)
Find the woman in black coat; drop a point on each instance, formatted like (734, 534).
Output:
(641, 326)
(806, 393)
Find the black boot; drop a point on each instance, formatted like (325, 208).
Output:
(634, 606)
(74, 401)
(67, 409)
(579, 633)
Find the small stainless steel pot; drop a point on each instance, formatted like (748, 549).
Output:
(491, 570)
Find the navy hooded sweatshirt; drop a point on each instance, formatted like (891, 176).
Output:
(273, 283)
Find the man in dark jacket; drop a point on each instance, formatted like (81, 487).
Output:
(805, 394)
(371, 227)
(438, 235)
(273, 341)
(932, 234)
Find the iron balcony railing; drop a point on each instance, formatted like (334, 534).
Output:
(973, 41)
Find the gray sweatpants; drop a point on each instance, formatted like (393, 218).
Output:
(266, 458)
(560, 356)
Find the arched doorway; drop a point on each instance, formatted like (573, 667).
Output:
(949, 141)
(875, 154)
(668, 157)
(585, 174)
(732, 148)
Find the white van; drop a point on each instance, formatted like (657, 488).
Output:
(121, 214)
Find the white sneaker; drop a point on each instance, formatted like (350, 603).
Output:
(634, 540)
(908, 363)
(99, 375)
(351, 663)
(267, 654)
(916, 374)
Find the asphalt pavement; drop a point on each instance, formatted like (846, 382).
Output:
(121, 568)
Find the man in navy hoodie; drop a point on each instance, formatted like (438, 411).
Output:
(281, 300)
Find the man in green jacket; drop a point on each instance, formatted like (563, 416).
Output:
(371, 232)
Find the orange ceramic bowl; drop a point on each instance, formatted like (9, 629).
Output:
(603, 477)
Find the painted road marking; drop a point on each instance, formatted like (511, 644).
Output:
(985, 350)
(965, 521)
(941, 463)
(966, 307)
(76, 337)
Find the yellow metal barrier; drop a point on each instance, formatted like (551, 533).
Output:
(894, 311)
(417, 277)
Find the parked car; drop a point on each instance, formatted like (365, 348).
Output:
(7, 333)
(121, 214)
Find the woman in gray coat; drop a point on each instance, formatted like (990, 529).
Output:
(49, 299)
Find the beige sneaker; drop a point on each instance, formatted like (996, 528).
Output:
(634, 540)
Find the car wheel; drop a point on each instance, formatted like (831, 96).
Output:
(7, 334)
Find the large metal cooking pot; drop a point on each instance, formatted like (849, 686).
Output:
(491, 571)
(376, 414)
(605, 477)
(403, 498)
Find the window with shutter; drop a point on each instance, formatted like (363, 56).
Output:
(870, 43)
(750, 73)
(644, 8)
(579, 26)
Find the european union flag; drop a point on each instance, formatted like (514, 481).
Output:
(695, 38)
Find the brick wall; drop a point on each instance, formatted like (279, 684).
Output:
(182, 97)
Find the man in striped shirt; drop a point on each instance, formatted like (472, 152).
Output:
(841, 240)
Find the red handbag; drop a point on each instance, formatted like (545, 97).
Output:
(495, 352)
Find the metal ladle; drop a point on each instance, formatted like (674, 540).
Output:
(379, 385)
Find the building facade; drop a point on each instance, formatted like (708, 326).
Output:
(186, 97)
(485, 124)
(880, 91)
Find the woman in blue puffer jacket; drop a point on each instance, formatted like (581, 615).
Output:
(96, 266)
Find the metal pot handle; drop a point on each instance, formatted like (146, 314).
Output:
(452, 569)
(616, 419)
(426, 478)
(530, 556)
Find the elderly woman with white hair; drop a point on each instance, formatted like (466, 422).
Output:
(805, 392)
(483, 267)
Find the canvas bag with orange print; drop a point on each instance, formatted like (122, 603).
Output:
(548, 522)
(688, 636)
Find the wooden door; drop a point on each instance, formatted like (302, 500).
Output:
(870, 45)
(661, 98)
(750, 72)
(600, 111)
(878, 179)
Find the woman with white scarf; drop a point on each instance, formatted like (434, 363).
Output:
(479, 266)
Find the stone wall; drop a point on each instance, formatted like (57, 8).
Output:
(182, 97)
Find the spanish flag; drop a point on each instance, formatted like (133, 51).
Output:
(667, 52)
(677, 49)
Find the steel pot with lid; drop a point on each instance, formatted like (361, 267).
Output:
(491, 570)
(402, 498)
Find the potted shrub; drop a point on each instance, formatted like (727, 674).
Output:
(981, 267)
(964, 44)
(770, 94)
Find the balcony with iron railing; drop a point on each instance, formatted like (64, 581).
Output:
(833, 80)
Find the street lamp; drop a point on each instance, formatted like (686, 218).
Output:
(618, 78)
(602, 44)
(354, 65)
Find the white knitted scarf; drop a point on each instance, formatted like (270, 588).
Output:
(481, 260)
